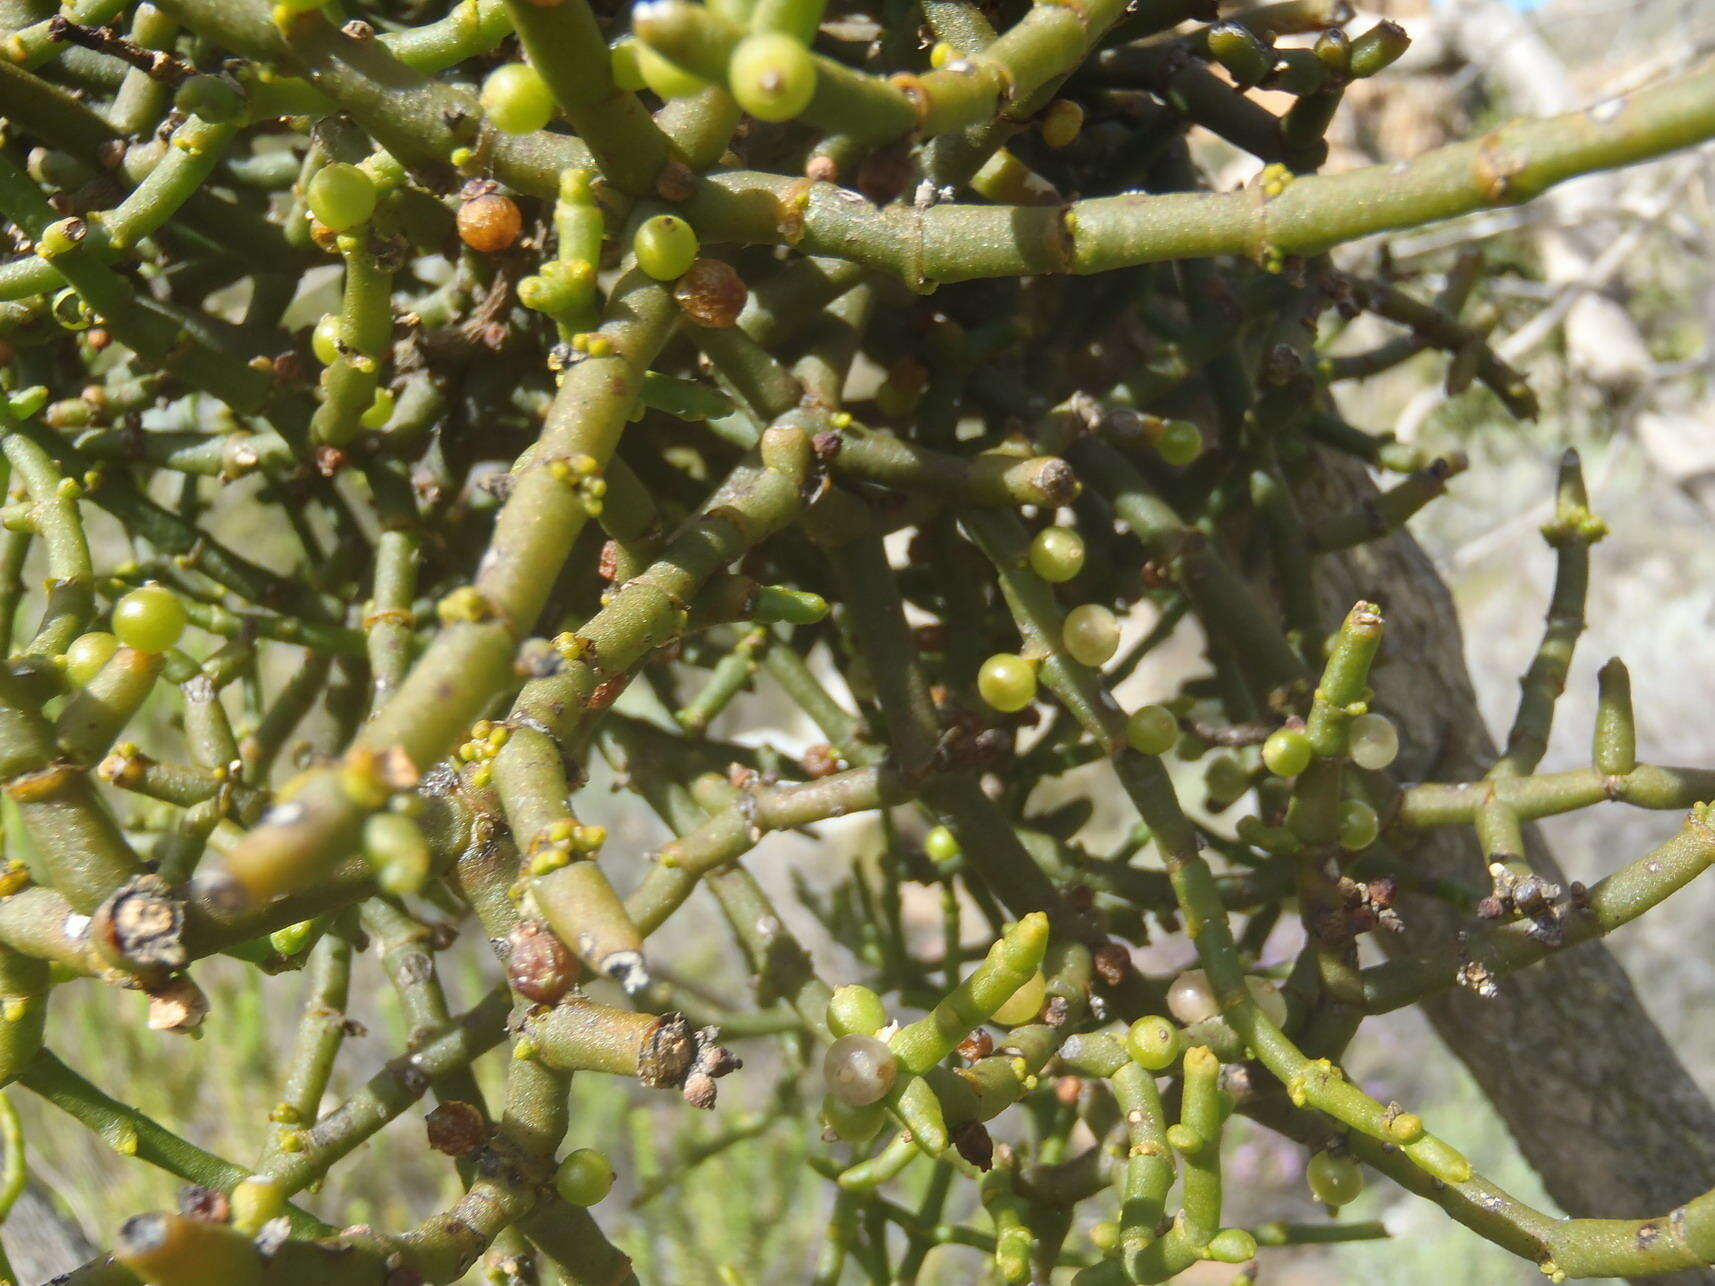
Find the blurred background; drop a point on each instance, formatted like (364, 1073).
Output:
(1604, 293)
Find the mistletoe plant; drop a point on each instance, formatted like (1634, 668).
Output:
(653, 330)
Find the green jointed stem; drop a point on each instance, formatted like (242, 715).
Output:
(458, 674)
(449, 640)
(953, 242)
(1199, 1143)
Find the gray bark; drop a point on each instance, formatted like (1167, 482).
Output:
(1596, 1099)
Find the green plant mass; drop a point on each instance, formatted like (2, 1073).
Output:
(415, 410)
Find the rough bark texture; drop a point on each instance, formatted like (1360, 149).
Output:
(1596, 1099)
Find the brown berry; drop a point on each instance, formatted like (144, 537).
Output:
(821, 760)
(206, 1205)
(979, 1044)
(456, 1128)
(1112, 962)
(974, 1144)
(490, 222)
(711, 293)
(539, 967)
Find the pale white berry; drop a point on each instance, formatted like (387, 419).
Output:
(859, 1069)
(1191, 999)
(1268, 999)
(1373, 741)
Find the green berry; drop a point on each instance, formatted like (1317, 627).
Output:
(1287, 752)
(1334, 1180)
(1024, 1004)
(1153, 730)
(1105, 1235)
(1358, 825)
(1091, 634)
(667, 79)
(1180, 442)
(324, 339)
(772, 76)
(516, 99)
(341, 196)
(665, 247)
(584, 1177)
(1373, 741)
(1153, 1043)
(87, 654)
(941, 845)
(149, 618)
(397, 850)
(1007, 682)
(1057, 554)
(855, 1011)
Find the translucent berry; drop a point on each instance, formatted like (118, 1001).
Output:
(1007, 682)
(1191, 999)
(1180, 442)
(1334, 1180)
(1268, 998)
(859, 1069)
(516, 99)
(490, 222)
(665, 246)
(1287, 752)
(341, 196)
(772, 76)
(1105, 1235)
(149, 618)
(1373, 741)
(1023, 1005)
(1057, 554)
(87, 654)
(1153, 730)
(584, 1177)
(324, 339)
(941, 845)
(397, 851)
(855, 1011)
(1153, 1043)
(1358, 825)
(1091, 634)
